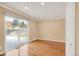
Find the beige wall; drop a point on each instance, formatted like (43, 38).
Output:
(47, 30)
(33, 29)
(52, 30)
(1, 28)
(77, 29)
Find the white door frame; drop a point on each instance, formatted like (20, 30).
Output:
(70, 29)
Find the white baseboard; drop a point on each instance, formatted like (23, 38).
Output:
(50, 40)
(45, 39)
(33, 40)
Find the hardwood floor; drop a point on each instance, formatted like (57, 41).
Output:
(46, 48)
(39, 48)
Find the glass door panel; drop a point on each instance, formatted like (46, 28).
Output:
(23, 38)
(11, 36)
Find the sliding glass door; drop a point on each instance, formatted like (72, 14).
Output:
(16, 33)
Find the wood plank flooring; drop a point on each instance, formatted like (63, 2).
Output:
(39, 48)
(46, 48)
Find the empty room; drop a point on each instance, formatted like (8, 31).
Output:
(33, 29)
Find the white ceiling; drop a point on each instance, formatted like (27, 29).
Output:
(51, 10)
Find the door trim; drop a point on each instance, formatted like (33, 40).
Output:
(70, 29)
